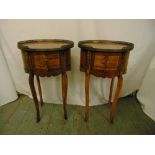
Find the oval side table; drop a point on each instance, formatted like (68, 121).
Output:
(46, 57)
(103, 58)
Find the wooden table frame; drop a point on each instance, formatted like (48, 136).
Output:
(41, 62)
(99, 62)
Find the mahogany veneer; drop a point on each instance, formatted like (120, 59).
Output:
(103, 58)
(47, 57)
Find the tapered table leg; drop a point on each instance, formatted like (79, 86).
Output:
(33, 91)
(64, 93)
(111, 89)
(118, 90)
(87, 79)
(39, 89)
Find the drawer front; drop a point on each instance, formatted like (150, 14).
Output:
(106, 62)
(46, 61)
(40, 62)
(53, 61)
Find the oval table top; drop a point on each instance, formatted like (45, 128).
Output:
(105, 45)
(45, 45)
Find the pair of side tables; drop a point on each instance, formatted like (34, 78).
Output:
(52, 57)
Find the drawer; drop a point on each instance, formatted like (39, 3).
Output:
(40, 62)
(106, 62)
(46, 62)
(53, 61)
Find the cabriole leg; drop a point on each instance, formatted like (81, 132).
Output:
(33, 91)
(87, 79)
(111, 89)
(64, 93)
(118, 90)
(39, 89)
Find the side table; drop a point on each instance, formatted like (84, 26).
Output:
(46, 57)
(103, 58)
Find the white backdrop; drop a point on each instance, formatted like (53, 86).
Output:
(139, 32)
(7, 88)
(146, 94)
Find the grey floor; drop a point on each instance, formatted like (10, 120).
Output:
(18, 117)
